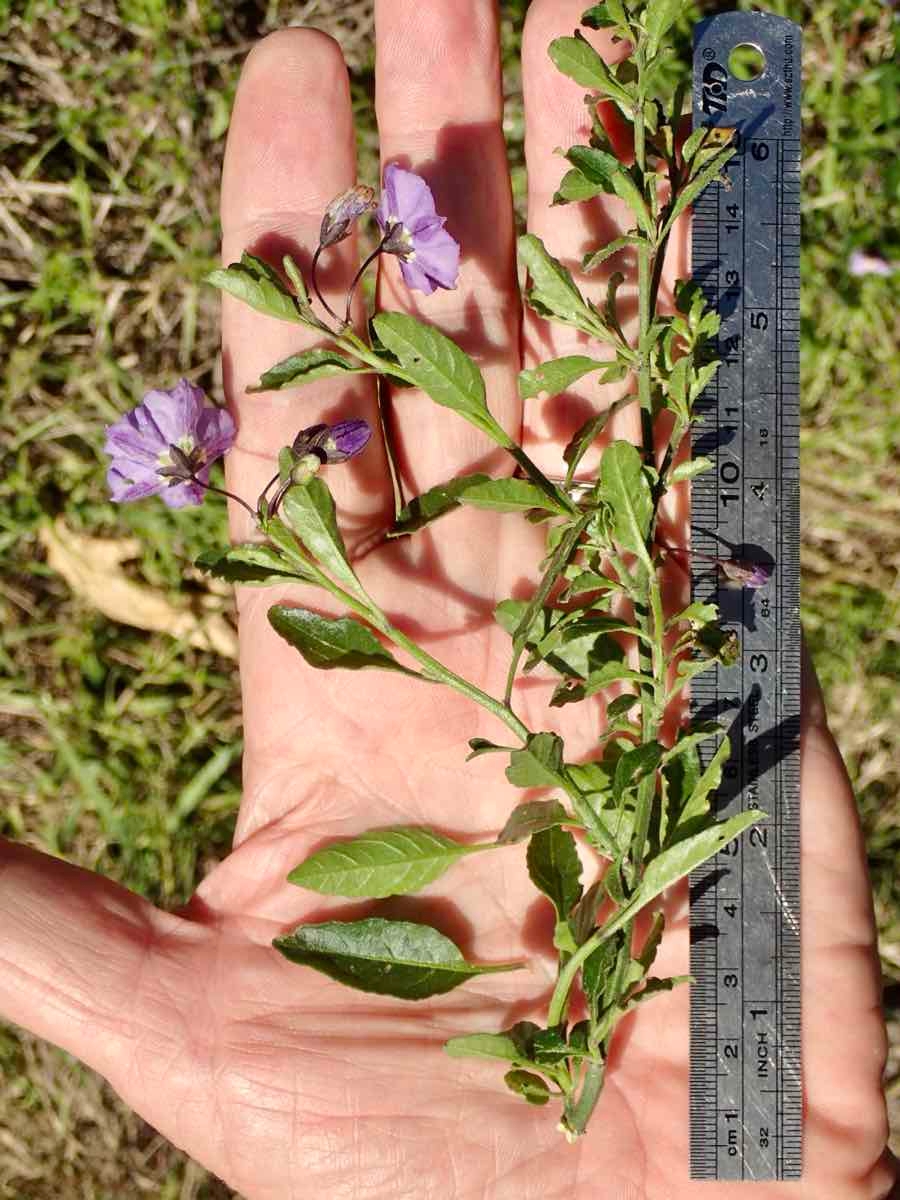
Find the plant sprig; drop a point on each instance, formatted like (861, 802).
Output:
(596, 618)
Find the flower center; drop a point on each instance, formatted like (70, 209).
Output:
(398, 239)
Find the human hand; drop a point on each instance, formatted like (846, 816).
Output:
(280, 1081)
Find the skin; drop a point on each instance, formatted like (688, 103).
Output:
(277, 1079)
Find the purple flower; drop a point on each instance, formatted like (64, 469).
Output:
(429, 256)
(160, 446)
(333, 443)
(861, 263)
(342, 212)
(747, 574)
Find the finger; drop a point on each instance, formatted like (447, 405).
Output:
(557, 116)
(439, 104)
(290, 151)
(841, 975)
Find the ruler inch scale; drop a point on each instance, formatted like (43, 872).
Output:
(745, 1056)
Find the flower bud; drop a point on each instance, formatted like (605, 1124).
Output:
(342, 212)
(747, 574)
(304, 468)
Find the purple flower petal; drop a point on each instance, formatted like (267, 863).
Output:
(429, 256)
(349, 438)
(172, 431)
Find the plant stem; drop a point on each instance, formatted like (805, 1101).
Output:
(315, 283)
(576, 1115)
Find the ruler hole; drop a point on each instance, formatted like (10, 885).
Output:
(746, 61)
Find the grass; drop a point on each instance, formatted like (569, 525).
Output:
(119, 747)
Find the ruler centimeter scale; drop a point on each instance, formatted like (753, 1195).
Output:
(745, 1061)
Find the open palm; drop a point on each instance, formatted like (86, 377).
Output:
(281, 1081)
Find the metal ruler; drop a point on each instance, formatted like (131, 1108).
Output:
(746, 1088)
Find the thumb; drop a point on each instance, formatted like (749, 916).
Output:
(80, 957)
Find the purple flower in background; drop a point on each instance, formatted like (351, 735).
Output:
(747, 574)
(165, 445)
(343, 211)
(333, 443)
(429, 256)
(861, 263)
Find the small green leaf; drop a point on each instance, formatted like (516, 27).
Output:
(537, 765)
(555, 868)
(254, 282)
(697, 613)
(530, 1087)
(583, 918)
(327, 642)
(659, 17)
(692, 189)
(647, 956)
(607, 172)
(654, 986)
(308, 511)
(596, 258)
(481, 746)
(575, 57)
(509, 495)
(306, 367)
(556, 375)
(251, 562)
(633, 766)
(393, 958)
(295, 275)
(696, 806)
(624, 485)
(574, 188)
(532, 817)
(380, 862)
(437, 365)
(598, 16)
(691, 468)
(588, 433)
(514, 1045)
(552, 291)
(432, 504)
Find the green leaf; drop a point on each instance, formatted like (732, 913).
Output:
(595, 165)
(433, 504)
(532, 817)
(633, 766)
(556, 375)
(624, 485)
(393, 958)
(509, 495)
(654, 986)
(328, 642)
(588, 433)
(254, 282)
(598, 16)
(530, 1087)
(583, 917)
(537, 765)
(647, 956)
(607, 172)
(595, 258)
(691, 468)
(696, 806)
(308, 511)
(697, 613)
(514, 1045)
(678, 860)
(692, 189)
(437, 365)
(602, 973)
(579, 60)
(555, 868)
(251, 562)
(659, 17)
(295, 275)
(574, 188)
(380, 862)
(552, 291)
(306, 367)
(481, 746)
(687, 739)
